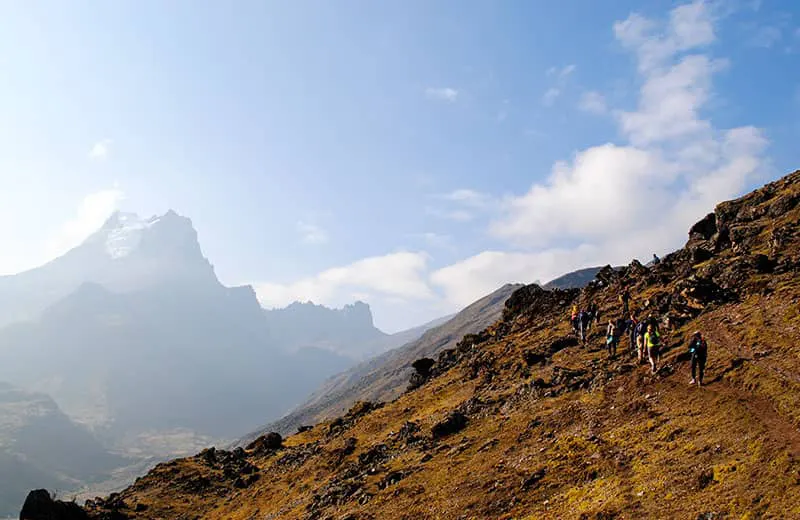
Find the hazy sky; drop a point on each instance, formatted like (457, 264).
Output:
(414, 154)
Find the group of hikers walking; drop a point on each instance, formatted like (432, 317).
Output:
(644, 335)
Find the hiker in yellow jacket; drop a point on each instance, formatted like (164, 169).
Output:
(652, 340)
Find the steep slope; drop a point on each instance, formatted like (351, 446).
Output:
(40, 446)
(385, 377)
(520, 421)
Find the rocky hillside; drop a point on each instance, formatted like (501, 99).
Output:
(386, 376)
(520, 421)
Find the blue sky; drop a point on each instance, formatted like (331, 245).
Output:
(412, 154)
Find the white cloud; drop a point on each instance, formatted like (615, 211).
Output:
(690, 27)
(442, 93)
(559, 79)
(603, 192)
(396, 275)
(562, 72)
(593, 102)
(100, 150)
(92, 213)
(618, 199)
(670, 101)
(312, 233)
(550, 96)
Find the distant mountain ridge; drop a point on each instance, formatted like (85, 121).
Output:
(386, 376)
(574, 279)
(349, 331)
(138, 302)
(350, 328)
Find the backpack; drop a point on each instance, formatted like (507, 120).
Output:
(698, 346)
(640, 328)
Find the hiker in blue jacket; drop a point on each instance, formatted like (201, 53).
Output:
(699, 351)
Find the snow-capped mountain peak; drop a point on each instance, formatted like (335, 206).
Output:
(125, 234)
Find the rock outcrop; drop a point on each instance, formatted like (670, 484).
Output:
(40, 505)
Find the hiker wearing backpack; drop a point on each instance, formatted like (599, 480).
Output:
(592, 311)
(574, 319)
(652, 340)
(640, 331)
(612, 338)
(699, 351)
(583, 324)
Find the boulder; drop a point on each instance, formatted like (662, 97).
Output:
(269, 442)
(39, 505)
(607, 275)
(453, 423)
(700, 255)
(423, 366)
(705, 228)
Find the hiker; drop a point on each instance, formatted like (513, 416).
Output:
(592, 311)
(656, 260)
(574, 319)
(652, 339)
(699, 350)
(595, 310)
(631, 328)
(611, 338)
(583, 323)
(624, 299)
(640, 331)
